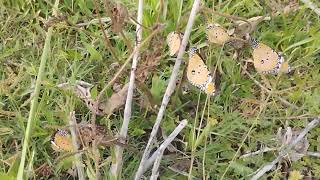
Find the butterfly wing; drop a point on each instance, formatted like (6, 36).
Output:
(285, 67)
(174, 42)
(62, 141)
(265, 59)
(197, 72)
(216, 34)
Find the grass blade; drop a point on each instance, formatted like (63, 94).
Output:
(34, 102)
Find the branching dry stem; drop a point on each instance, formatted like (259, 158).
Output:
(286, 149)
(117, 163)
(170, 89)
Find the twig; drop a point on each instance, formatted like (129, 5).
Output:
(106, 39)
(209, 10)
(312, 6)
(34, 101)
(155, 168)
(314, 154)
(266, 149)
(117, 163)
(285, 150)
(7, 113)
(115, 77)
(125, 39)
(78, 162)
(163, 146)
(170, 88)
(94, 21)
(269, 91)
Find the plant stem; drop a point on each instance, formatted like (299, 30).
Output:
(117, 163)
(170, 88)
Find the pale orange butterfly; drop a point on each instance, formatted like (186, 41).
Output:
(268, 61)
(174, 40)
(217, 34)
(198, 73)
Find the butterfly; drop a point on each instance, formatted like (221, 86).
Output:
(61, 141)
(268, 61)
(198, 73)
(174, 40)
(217, 34)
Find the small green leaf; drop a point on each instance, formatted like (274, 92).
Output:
(137, 132)
(90, 173)
(299, 43)
(240, 168)
(94, 54)
(94, 92)
(157, 88)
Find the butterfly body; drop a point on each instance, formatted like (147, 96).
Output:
(198, 73)
(174, 40)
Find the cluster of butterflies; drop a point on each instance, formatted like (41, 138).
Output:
(265, 59)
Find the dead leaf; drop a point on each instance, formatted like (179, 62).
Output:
(249, 107)
(236, 43)
(44, 170)
(99, 134)
(291, 7)
(285, 7)
(118, 14)
(116, 87)
(150, 59)
(82, 90)
(116, 101)
(181, 165)
(243, 27)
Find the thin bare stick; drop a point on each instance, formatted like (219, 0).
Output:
(106, 39)
(269, 91)
(117, 163)
(94, 21)
(170, 88)
(78, 161)
(266, 149)
(314, 154)
(209, 10)
(136, 22)
(285, 150)
(115, 77)
(7, 113)
(125, 39)
(312, 6)
(164, 145)
(155, 168)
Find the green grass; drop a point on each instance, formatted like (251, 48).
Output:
(80, 54)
